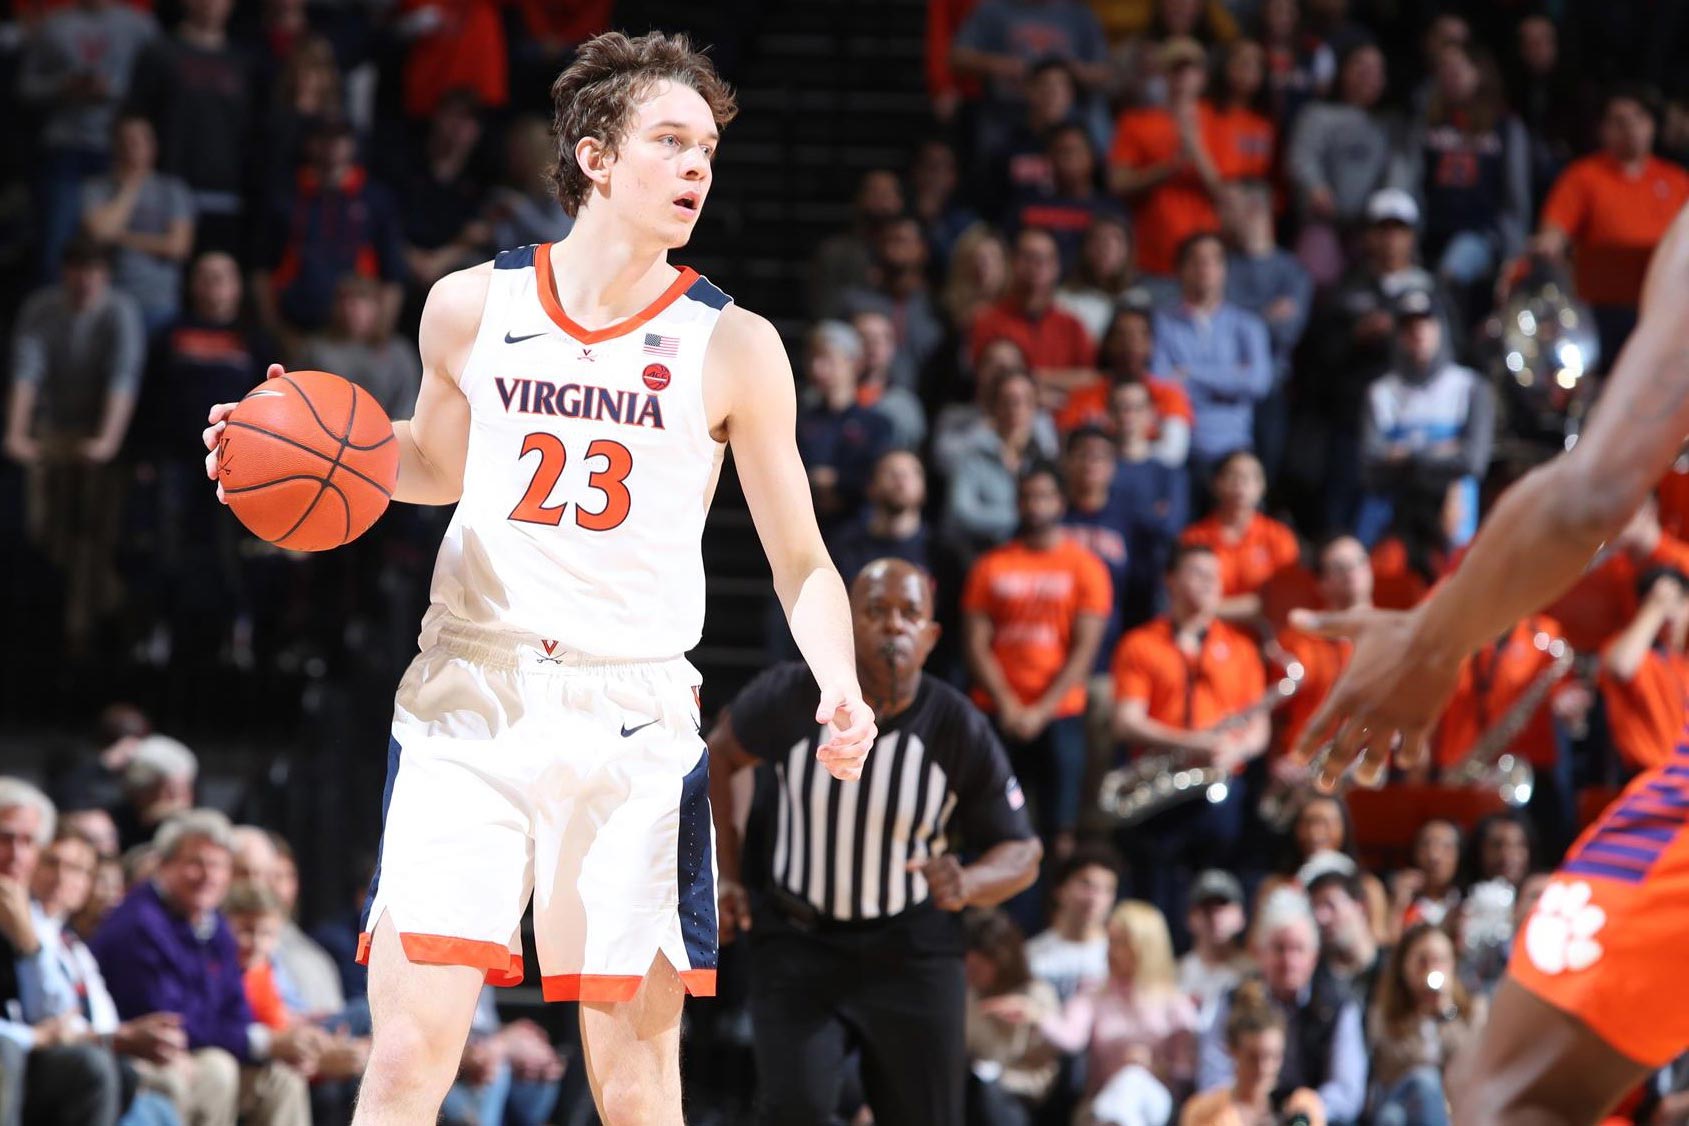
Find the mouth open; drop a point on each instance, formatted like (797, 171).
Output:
(689, 201)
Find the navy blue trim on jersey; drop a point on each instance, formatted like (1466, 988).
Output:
(522, 258)
(693, 878)
(394, 751)
(704, 292)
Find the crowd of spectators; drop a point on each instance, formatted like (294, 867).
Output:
(1178, 319)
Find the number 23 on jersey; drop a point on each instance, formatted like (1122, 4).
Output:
(611, 480)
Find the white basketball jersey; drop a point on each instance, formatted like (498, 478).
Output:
(589, 473)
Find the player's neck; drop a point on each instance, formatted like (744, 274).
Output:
(601, 276)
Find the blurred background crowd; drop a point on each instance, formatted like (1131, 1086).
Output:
(1137, 323)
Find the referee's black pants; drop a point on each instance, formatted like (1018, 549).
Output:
(816, 997)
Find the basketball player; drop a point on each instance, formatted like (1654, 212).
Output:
(1591, 1003)
(576, 401)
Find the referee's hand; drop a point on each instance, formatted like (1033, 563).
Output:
(946, 879)
(852, 732)
(733, 910)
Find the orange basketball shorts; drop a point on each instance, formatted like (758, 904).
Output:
(1609, 941)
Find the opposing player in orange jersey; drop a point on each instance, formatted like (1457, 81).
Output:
(1593, 997)
(576, 402)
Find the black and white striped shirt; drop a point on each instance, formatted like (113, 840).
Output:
(844, 847)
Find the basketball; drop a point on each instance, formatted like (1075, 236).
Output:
(307, 461)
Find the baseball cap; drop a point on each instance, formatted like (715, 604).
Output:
(1326, 862)
(1392, 205)
(1216, 884)
(1412, 303)
(1182, 50)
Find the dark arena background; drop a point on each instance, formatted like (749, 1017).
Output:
(981, 229)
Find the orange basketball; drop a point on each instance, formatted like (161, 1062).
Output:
(308, 461)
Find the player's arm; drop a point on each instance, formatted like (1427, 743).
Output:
(747, 359)
(434, 441)
(1537, 542)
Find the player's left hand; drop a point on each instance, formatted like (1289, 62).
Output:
(851, 722)
(1389, 697)
(947, 880)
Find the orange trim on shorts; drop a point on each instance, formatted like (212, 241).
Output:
(502, 967)
(554, 309)
(609, 988)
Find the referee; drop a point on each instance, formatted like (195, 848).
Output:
(856, 942)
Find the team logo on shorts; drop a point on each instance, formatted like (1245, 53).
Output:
(552, 657)
(656, 376)
(1562, 930)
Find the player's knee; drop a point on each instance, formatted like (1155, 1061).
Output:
(403, 1055)
(624, 1100)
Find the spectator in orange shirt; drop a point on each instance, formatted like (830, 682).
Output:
(1605, 598)
(1645, 673)
(1127, 348)
(1609, 209)
(1345, 583)
(255, 917)
(1240, 137)
(1162, 164)
(1175, 681)
(1490, 682)
(1251, 548)
(1054, 342)
(1672, 496)
(1034, 611)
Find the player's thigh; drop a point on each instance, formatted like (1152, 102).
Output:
(1537, 1065)
(420, 1014)
(914, 1054)
(799, 1041)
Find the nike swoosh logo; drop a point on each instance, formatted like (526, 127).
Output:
(626, 730)
(509, 339)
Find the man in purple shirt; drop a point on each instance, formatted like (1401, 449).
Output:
(166, 948)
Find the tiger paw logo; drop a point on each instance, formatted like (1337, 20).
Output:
(1562, 930)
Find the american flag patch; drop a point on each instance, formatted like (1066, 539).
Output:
(656, 345)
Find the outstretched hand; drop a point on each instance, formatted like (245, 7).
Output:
(1389, 698)
(850, 722)
(216, 420)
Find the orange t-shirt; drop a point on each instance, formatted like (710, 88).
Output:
(1673, 494)
(1395, 584)
(1604, 600)
(1489, 682)
(466, 51)
(1614, 220)
(1055, 340)
(1323, 661)
(1248, 561)
(1226, 676)
(1088, 405)
(1646, 713)
(1033, 599)
(264, 998)
(1291, 588)
(1241, 143)
(1178, 207)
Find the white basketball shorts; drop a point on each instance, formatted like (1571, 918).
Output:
(518, 768)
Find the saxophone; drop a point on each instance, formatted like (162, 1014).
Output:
(1153, 783)
(1489, 765)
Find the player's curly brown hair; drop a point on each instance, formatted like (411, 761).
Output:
(611, 74)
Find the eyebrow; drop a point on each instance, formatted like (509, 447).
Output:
(712, 135)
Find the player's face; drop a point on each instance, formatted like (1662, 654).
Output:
(661, 172)
(65, 876)
(1345, 575)
(196, 878)
(19, 847)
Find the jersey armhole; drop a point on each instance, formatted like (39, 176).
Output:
(505, 265)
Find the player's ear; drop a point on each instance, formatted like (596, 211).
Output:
(595, 159)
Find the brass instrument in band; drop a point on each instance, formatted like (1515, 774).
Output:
(1155, 782)
(1489, 764)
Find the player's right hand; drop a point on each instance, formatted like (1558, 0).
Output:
(851, 721)
(214, 431)
(1390, 696)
